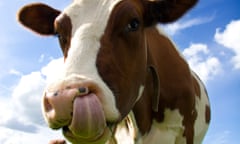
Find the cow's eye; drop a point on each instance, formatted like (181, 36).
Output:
(62, 39)
(133, 25)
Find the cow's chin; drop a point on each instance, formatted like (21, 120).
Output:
(88, 122)
(75, 139)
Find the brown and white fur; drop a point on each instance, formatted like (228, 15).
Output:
(123, 80)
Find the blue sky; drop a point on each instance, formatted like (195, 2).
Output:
(208, 36)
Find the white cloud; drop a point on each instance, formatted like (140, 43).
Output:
(180, 25)
(26, 97)
(5, 109)
(15, 72)
(230, 38)
(201, 61)
(22, 111)
(41, 58)
(194, 49)
(53, 69)
(42, 136)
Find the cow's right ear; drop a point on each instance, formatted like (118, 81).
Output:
(38, 17)
(165, 11)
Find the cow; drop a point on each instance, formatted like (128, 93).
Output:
(123, 81)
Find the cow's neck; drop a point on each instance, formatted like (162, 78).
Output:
(149, 100)
(139, 120)
(148, 103)
(146, 108)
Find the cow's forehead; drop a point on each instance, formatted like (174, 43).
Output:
(94, 13)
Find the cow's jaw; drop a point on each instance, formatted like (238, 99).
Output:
(62, 98)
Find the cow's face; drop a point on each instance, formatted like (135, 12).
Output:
(105, 57)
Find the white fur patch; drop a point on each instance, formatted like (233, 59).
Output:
(140, 92)
(170, 131)
(127, 131)
(89, 19)
(200, 126)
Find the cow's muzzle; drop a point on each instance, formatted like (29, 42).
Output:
(77, 109)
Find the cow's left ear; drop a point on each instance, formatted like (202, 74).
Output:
(38, 17)
(165, 11)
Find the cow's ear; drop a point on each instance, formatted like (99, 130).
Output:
(166, 11)
(38, 17)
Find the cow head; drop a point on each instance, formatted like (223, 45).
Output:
(105, 59)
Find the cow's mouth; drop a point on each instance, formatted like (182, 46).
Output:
(84, 111)
(88, 120)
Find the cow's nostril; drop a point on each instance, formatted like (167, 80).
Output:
(56, 93)
(47, 105)
(83, 90)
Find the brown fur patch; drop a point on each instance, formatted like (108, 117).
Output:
(207, 114)
(38, 17)
(63, 29)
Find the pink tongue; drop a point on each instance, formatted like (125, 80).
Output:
(88, 119)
